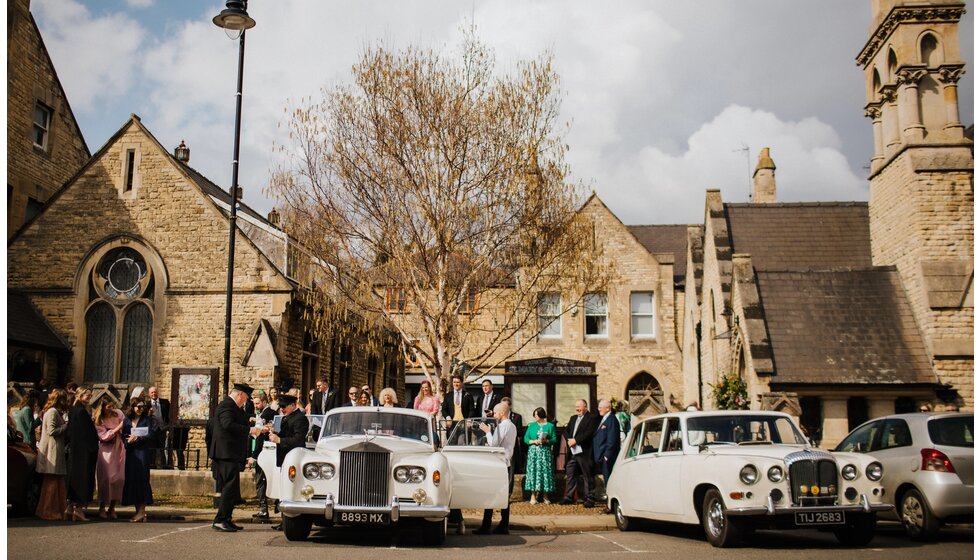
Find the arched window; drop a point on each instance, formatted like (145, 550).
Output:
(119, 318)
(892, 65)
(876, 83)
(929, 53)
(642, 381)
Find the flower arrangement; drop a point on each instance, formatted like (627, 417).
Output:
(731, 393)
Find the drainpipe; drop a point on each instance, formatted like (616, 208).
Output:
(697, 333)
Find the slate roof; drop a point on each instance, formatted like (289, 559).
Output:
(26, 325)
(845, 326)
(801, 236)
(665, 239)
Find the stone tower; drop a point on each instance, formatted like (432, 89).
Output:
(921, 202)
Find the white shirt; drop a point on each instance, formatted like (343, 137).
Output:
(504, 436)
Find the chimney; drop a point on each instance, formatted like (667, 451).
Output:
(182, 153)
(274, 217)
(764, 179)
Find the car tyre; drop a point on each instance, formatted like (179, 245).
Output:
(919, 522)
(623, 521)
(858, 529)
(434, 532)
(721, 530)
(296, 528)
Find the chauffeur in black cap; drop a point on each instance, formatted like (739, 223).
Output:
(228, 449)
(292, 431)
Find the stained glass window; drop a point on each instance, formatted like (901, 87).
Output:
(100, 344)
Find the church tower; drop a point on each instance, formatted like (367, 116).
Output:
(921, 201)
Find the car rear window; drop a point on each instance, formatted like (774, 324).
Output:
(954, 432)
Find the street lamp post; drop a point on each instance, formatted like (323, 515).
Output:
(234, 19)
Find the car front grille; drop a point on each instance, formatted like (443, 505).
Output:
(809, 470)
(363, 478)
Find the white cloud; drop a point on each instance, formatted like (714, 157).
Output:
(655, 186)
(96, 57)
(139, 3)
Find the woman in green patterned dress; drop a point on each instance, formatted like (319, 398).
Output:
(539, 437)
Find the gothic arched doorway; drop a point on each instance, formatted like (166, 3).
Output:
(644, 395)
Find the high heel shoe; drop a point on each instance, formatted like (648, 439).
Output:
(103, 515)
(139, 518)
(78, 515)
(112, 515)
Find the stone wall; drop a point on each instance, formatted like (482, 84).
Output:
(34, 172)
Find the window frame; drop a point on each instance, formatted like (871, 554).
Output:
(44, 128)
(470, 304)
(653, 316)
(555, 321)
(397, 304)
(604, 316)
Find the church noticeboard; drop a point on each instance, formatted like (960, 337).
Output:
(552, 383)
(194, 396)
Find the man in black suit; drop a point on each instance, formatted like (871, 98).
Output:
(228, 449)
(579, 432)
(487, 400)
(605, 443)
(352, 394)
(292, 432)
(160, 415)
(324, 398)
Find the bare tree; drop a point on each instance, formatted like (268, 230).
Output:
(432, 197)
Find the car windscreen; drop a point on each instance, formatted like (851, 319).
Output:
(742, 429)
(954, 431)
(376, 423)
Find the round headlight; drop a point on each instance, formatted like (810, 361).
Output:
(775, 473)
(327, 471)
(749, 474)
(849, 472)
(874, 471)
(401, 474)
(311, 471)
(416, 474)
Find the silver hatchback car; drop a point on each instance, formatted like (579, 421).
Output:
(928, 463)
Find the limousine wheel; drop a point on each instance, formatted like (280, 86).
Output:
(722, 531)
(623, 521)
(858, 529)
(296, 528)
(434, 532)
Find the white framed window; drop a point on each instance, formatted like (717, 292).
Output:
(597, 315)
(643, 322)
(549, 315)
(42, 125)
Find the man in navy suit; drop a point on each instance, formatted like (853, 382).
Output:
(605, 443)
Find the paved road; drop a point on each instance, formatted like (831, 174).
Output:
(190, 540)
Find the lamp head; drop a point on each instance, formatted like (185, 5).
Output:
(234, 19)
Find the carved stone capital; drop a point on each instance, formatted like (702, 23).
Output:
(873, 112)
(911, 14)
(950, 73)
(910, 76)
(889, 93)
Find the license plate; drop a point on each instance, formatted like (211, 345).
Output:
(358, 517)
(820, 518)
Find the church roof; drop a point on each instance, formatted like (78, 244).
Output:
(843, 326)
(801, 236)
(26, 325)
(665, 239)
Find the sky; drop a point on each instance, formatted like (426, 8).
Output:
(663, 99)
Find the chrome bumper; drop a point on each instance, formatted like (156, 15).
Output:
(327, 506)
(770, 508)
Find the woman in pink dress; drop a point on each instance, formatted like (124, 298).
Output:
(426, 401)
(110, 469)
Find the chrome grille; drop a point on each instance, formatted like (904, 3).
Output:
(821, 473)
(363, 478)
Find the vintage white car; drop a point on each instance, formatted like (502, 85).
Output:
(735, 471)
(384, 467)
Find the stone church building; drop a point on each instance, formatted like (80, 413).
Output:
(841, 311)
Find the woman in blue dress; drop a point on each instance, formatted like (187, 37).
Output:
(539, 437)
(139, 449)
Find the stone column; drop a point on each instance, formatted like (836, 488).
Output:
(834, 421)
(880, 406)
(910, 113)
(949, 75)
(874, 113)
(889, 100)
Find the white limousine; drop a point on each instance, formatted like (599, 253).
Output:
(385, 467)
(735, 471)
